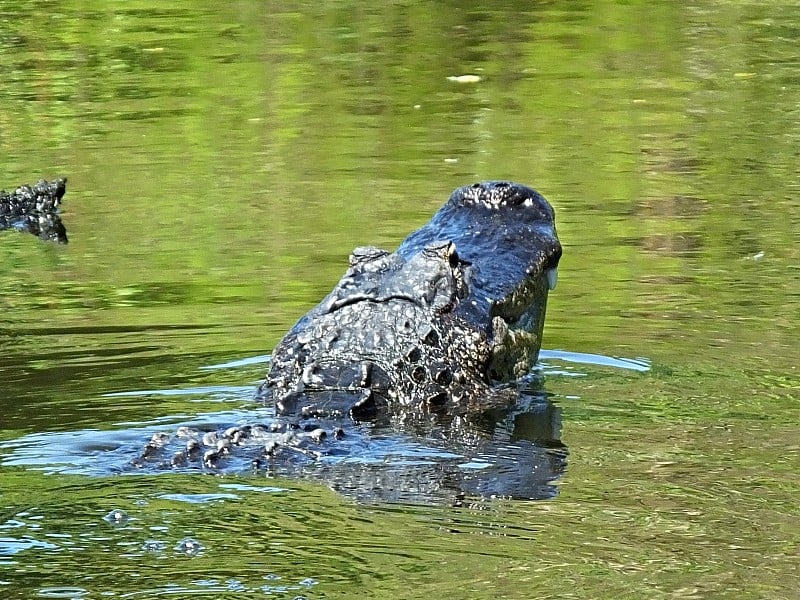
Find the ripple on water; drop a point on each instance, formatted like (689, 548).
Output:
(514, 453)
(62, 592)
(199, 498)
(117, 518)
(190, 547)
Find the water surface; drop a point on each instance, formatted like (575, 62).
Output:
(222, 163)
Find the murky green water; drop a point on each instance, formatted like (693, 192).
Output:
(223, 161)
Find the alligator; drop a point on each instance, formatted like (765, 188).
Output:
(34, 209)
(432, 341)
(434, 326)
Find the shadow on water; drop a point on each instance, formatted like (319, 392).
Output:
(512, 453)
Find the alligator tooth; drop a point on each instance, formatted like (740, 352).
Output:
(552, 277)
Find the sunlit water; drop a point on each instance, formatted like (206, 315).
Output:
(223, 161)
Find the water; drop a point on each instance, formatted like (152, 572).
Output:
(223, 161)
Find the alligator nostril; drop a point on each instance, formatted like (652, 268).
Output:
(476, 186)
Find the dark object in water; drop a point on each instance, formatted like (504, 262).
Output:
(35, 209)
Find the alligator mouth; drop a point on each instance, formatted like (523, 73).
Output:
(506, 233)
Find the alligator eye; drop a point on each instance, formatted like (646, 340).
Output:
(452, 256)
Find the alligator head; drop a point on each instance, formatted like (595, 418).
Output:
(460, 305)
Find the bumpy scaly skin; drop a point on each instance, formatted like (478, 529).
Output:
(336, 359)
(35, 209)
(459, 305)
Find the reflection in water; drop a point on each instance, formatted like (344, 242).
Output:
(513, 453)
